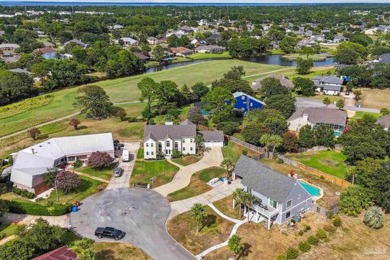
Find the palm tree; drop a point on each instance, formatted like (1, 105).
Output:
(238, 197)
(198, 214)
(228, 166)
(276, 141)
(273, 141)
(83, 249)
(248, 201)
(235, 245)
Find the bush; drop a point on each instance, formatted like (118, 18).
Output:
(304, 247)
(337, 222)
(321, 234)
(2, 235)
(99, 160)
(312, 240)
(68, 181)
(281, 257)
(292, 253)
(301, 232)
(78, 163)
(280, 161)
(23, 193)
(374, 217)
(37, 209)
(330, 229)
(307, 228)
(132, 119)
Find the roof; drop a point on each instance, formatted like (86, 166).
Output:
(62, 253)
(141, 56)
(212, 136)
(181, 50)
(9, 45)
(256, 85)
(19, 70)
(328, 80)
(209, 48)
(239, 94)
(332, 87)
(187, 122)
(76, 41)
(265, 180)
(128, 39)
(384, 121)
(322, 115)
(174, 132)
(45, 50)
(384, 58)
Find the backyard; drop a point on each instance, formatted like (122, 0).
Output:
(105, 173)
(161, 171)
(375, 98)
(331, 162)
(233, 151)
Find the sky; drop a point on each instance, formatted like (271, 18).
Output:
(212, 1)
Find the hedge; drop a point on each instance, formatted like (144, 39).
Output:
(23, 193)
(37, 209)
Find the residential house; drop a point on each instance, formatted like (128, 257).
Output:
(278, 197)
(153, 40)
(32, 163)
(187, 29)
(7, 52)
(329, 85)
(214, 39)
(256, 85)
(210, 49)
(315, 116)
(339, 39)
(62, 253)
(142, 57)
(197, 42)
(127, 41)
(384, 58)
(23, 71)
(385, 122)
(181, 51)
(46, 52)
(212, 138)
(48, 44)
(245, 102)
(78, 42)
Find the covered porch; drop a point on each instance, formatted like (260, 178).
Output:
(259, 212)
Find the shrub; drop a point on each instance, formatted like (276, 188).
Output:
(312, 240)
(78, 163)
(176, 154)
(245, 152)
(23, 193)
(132, 119)
(99, 160)
(337, 222)
(304, 247)
(34, 133)
(330, 229)
(280, 161)
(307, 228)
(2, 235)
(292, 253)
(321, 234)
(68, 181)
(374, 217)
(329, 213)
(37, 209)
(281, 257)
(301, 232)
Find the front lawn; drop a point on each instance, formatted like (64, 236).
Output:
(331, 162)
(213, 231)
(198, 184)
(225, 205)
(104, 250)
(187, 160)
(360, 114)
(162, 171)
(104, 173)
(8, 229)
(233, 151)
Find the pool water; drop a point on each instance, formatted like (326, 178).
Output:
(314, 191)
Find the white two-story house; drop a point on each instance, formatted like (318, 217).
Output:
(164, 139)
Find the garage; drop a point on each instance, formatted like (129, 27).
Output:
(212, 138)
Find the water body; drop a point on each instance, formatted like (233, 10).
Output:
(279, 60)
(173, 65)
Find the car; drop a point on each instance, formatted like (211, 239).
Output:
(118, 172)
(109, 232)
(125, 155)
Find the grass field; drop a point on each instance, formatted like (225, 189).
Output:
(376, 98)
(225, 205)
(233, 151)
(104, 173)
(187, 160)
(8, 229)
(331, 162)
(360, 114)
(125, 90)
(123, 251)
(162, 171)
(332, 98)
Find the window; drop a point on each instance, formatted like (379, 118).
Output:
(147, 153)
(151, 144)
(167, 144)
(71, 158)
(243, 97)
(288, 214)
(289, 203)
(184, 148)
(147, 145)
(151, 153)
(190, 148)
(176, 145)
(272, 203)
(251, 104)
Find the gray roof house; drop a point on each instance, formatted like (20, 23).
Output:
(385, 122)
(384, 58)
(315, 116)
(278, 197)
(212, 138)
(31, 163)
(329, 85)
(256, 85)
(78, 42)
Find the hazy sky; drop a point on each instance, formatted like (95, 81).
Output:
(212, 1)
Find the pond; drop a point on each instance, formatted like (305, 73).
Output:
(278, 59)
(173, 65)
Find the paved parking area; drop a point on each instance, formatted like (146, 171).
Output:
(141, 213)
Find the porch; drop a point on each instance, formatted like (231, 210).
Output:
(258, 213)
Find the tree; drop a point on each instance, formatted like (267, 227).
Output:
(283, 103)
(381, 185)
(324, 136)
(195, 116)
(119, 112)
(14, 87)
(385, 111)
(17, 249)
(158, 53)
(269, 140)
(374, 217)
(229, 127)
(350, 53)
(148, 88)
(50, 178)
(358, 94)
(353, 200)
(326, 101)
(288, 44)
(340, 104)
(307, 51)
(68, 181)
(306, 137)
(4, 207)
(304, 65)
(304, 86)
(75, 123)
(94, 102)
(235, 245)
(63, 73)
(271, 87)
(198, 214)
(221, 101)
(238, 197)
(34, 133)
(99, 160)
(83, 248)
(228, 166)
(235, 73)
(290, 141)
(199, 90)
(248, 200)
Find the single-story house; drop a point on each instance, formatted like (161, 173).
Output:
(385, 122)
(19, 70)
(62, 253)
(198, 41)
(142, 57)
(46, 52)
(384, 58)
(152, 40)
(32, 163)
(245, 102)
(181, 51)
(127, 41)
(212, 138)
(256, 85)
(214, 39)
(78, 42)
(278, 197)
(9, 47)
(329, 85)
(187, 29)
(210, 49)
(315, 116)
(339, 38)
(8, 54)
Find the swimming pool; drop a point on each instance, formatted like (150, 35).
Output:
(314, 191)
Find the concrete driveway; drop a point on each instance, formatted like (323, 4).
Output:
(141, 213)
(124, 180)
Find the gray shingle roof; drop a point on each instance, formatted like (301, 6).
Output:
(322, 115)
(256, 85)
(384, 121)
(212, 136)
(328, 80)
(384, 58)
(174, 132)
(264, 180)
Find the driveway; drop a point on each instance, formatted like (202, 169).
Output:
(212, 157)
(124, 180)
(141, 213)
(311, 102)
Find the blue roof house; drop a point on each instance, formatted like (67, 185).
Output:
(245, 102)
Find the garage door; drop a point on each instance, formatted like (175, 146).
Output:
(213, 144)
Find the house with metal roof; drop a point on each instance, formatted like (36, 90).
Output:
(32, 163)
(329, 85)
(245, 102)
(384, 58)
(315, 116)
(278, 197)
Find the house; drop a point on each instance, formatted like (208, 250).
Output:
(256, 85)
(46, 52)
(197, 41)
(48, 44)
(384, 58)
(329, 85)
(127, 41)
(212, 138)
(8, 53)
(315, 116)
(214, 39)
(19, 70)
(245, 102)
(62, 253)
(164, 139)
(142, 57)
(32, 163)
(181, 51)
(385, 122)
(339, 38)
(278, 197)
(153, 40)
(78, 42)
(210, 49)
(187, 29)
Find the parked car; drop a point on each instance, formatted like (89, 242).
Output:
(109, 232)
(125, 155)
(118, 172)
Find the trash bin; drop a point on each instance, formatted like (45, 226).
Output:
(74, 208)
(223, 179)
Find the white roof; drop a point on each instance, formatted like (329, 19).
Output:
(128, 39)
(9, 45)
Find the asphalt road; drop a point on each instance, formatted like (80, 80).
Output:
(141, 213)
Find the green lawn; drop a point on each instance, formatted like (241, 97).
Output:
(233, 151)
(203, 56)
(360, 114)
(187, 160)
(162, 171)
(125, 90)
(332, 98)
(331, 162)
(104, 173)
(198, 184)
(8, 229)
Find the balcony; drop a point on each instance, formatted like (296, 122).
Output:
(266, 211)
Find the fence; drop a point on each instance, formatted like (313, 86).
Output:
(334, 209)
(245, 144)
(331, 178)
(318, 148)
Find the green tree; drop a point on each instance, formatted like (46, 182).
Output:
(148, 88)
(248, 201)
(269, 141)
(199, 90)
(326, 101)
(288, 44)
(235, 73)
(235, 245)
(198, 214)
(304, 86)
(271, 87)
(350, 53)
(221, 101)
(354, 199)
(381, 185)
(238, 198)
(283, 103)
(324, 136)
(307, 51)
(94, 101)
(16, 249)
(83, 248)
(228, 165)
(374, 217)
(340, 104)
(304, 65)
(385, 111)
(306, 137)
(14, 87)
(290, 141)
(358, 94)
(158, 53)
